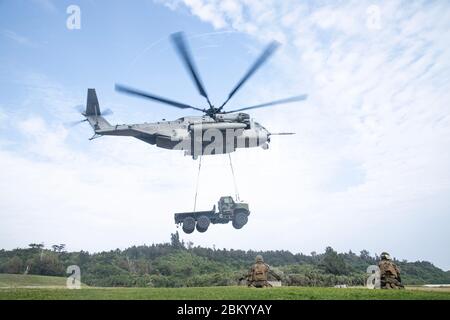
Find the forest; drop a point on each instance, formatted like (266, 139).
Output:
(177, 264)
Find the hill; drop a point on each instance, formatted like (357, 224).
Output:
(176, 264)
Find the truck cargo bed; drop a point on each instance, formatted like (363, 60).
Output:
(179, 217)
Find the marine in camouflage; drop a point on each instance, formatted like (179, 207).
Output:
(258, 274)
(389, 273)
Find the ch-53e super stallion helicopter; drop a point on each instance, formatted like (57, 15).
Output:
(217, 131)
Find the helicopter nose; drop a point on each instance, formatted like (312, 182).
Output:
(264, 136)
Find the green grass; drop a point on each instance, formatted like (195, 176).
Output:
(8, 281)
(31, 287)
(222, 293)
(18, 280)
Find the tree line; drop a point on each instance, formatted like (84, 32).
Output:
(177, 264)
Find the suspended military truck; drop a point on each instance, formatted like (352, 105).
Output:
(229, 210)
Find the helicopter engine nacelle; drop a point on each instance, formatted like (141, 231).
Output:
(233, 117)
(218, 126)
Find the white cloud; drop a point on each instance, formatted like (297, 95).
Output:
(207, 12)
(171, 4)
(378, 98)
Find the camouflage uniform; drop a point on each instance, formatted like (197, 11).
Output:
(389, 273)
(257, 277)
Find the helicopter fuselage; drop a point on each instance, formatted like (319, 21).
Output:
(195, 135)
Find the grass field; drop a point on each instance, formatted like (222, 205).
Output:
(18, 280)
(31, 281)
(36, 287)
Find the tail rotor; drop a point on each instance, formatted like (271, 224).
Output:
(92, 113)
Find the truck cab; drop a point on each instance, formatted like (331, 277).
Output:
(226, 205)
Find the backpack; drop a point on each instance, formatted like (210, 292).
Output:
(388, 268)
(260, 272)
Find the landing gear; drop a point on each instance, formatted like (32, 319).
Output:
(203, 223)
(188, 225)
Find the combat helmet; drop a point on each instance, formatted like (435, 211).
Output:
(385, 256)
(259, 258)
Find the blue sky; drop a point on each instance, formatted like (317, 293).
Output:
(368, 168)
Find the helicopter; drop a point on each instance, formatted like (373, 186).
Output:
(217, 131)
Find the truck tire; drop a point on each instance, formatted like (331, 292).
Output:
(188, 225)
(240, 219)
(203, 223)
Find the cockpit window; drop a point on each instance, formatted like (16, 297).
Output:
(259, 126)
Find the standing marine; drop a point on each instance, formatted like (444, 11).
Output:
(389, 273)
(258, 274)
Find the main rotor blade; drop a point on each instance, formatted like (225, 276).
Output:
(182, 49)
(268, 104)
(150, 96)
(282, 134)
(262, 58)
